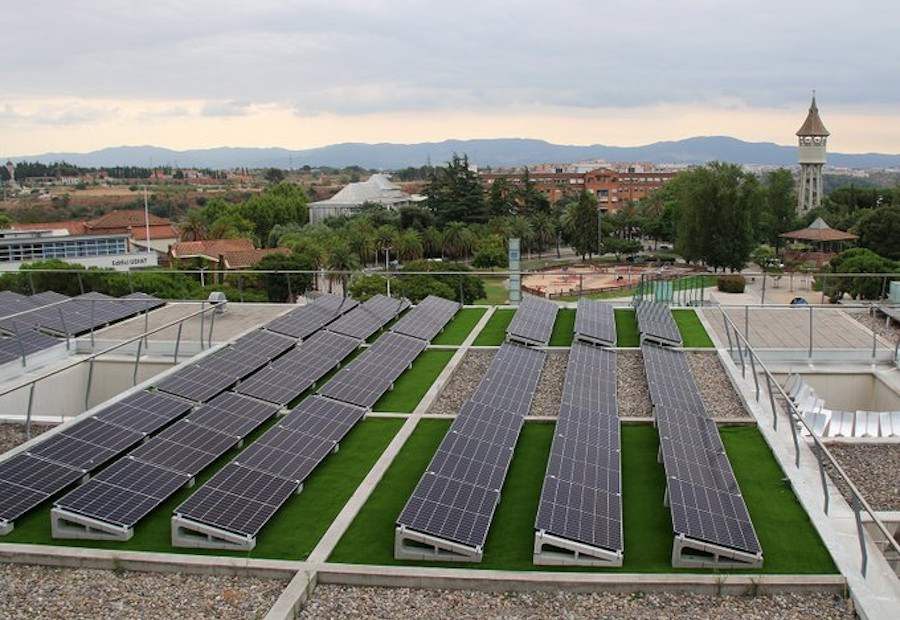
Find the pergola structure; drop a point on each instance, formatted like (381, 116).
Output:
(821, 236)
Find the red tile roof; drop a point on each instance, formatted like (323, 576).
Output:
(74, 227)
(237, 253)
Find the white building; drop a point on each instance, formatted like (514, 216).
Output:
(378, 189)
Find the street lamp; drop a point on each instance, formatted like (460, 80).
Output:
(599, 231)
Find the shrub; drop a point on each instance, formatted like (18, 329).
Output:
(731, 283)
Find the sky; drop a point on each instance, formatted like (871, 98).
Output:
(79, 76)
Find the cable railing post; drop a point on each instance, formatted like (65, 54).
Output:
(793, 425)
(80, 283)
(65, 329)
(212, 324)
(747, 322)
(93, 321)
(751, 355)
(147, 324)
(202, 322)
(820, 456)
(178, 342)
(28, 411)
(137, 361)
(743, 364)
(90, 381)
(772, 401)
(287, 278)
(21, 344)
(861, 533)
(728, 334)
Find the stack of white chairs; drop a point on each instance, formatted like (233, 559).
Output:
(827, 423)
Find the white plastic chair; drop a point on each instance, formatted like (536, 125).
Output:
(836, 427)
(895, 423)
(886, 427)
(820, 424)
(791, 383)
(847, 422)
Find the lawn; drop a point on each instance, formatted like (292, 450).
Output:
(461, 326)
(414, 382)
(564, 328)
(493, 334)
(291, 534)
(790, 544)
(693, 334)
(626, 328)
(495, 292)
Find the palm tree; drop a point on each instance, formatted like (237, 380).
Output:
(193, 228)
(341, 261)
(543, 226)
(519, 227)
(453, 239)
(433, 241)
(409, 245)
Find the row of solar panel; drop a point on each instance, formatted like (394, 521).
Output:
(533, 322)
(595, 322)
(25, 343)
(66, 316)
(581, 499)
(131, 488)
(67, 456)
(243, 496)
(656, 323)
(127, 491)
(32, 477)
(704, 497)
(456, 497)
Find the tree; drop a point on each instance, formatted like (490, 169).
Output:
(283, 204)
(454, 193)
(779, 209)
(409, 245)
(340, 262)
(193, 228)
(879, 230)
(717, 205)
(284, 287)
(500, 198)
(581, 222)
(366, 286)
(856, 261)
(274, 175)
(543, 226)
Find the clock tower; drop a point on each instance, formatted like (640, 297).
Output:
(811, 155)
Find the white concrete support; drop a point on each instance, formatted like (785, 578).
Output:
(66, 524)
(550, 550)
(193, 534)
(690, 553)
(412, 545)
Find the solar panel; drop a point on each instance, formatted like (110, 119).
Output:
(124, 493)
(306, 320)
(704, 497)
(238, 499)
(427, 318)
(595, 322)
(263, 343)
(369, 317)
(533, 321)
(144, 412)
(581, 498)
(369, 376)
(294, 373)
(233, 414)
(73, 452)
(25, 342)
(656, 323)
(288, 452)
(196, 383)
(456, 497)
(511, 379)
(27, 481)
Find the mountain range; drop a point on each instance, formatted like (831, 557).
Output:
(485, 152)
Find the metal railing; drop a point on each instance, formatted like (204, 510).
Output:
(140, 339)
(739, 347)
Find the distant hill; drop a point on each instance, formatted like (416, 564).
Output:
(491, 152)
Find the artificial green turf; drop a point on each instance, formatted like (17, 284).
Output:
(693, 334)
(461, 326)
(493, 334)
(790, 543)
(563, 328)
(626, 328)
(412, 384)
(291, 534)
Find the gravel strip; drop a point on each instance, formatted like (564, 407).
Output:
(12, 434)
(462, 382)
(633, 395)
(330, 602)
(548, 396)
(873, 469)
(29, 592)
(891, 332)
(716, 390)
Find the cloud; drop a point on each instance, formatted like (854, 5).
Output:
(226, 108)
